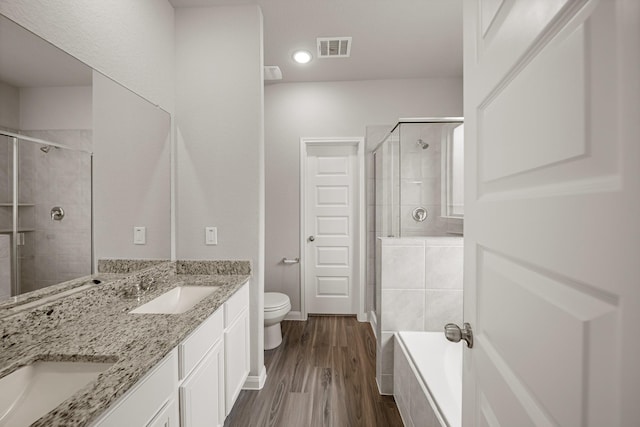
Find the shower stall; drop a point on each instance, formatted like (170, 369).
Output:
(418, 179)
(417, 232)
(45, 209)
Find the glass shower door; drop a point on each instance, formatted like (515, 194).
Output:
(7, 250)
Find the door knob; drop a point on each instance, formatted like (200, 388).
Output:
(311, 238)
(455, 334)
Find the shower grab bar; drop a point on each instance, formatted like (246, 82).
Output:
(286, 260)
(42, 141)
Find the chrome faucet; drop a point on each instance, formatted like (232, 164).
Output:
(146, 283)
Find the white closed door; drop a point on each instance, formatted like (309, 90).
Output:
(330, 198)
(552, 213)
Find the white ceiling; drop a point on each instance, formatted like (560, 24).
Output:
(391, 38)
(22, 55)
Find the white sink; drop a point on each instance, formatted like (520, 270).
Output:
(34, 390)
(177, 300)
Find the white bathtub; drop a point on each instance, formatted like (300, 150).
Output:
(427, 379)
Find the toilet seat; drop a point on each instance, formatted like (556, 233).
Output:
(274, 301)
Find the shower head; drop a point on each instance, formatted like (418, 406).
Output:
(47, 148)
(422, 144)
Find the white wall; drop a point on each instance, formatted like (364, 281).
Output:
(131, 173)
(295, 110)
(9, 106)
(129, 41)
(56, 108)
(220, 140)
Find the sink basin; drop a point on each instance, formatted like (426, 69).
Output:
(33, 390)
(177, 300)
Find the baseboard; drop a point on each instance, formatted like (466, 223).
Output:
(295, 315)
(256, 382)
(362, 317)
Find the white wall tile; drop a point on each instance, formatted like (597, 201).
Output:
(403, 310)
(442, 307)
(403, 266)
(419, 407)
(386, 386)
(387, 352)
(443, 267)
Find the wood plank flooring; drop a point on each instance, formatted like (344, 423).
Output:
(323, 374)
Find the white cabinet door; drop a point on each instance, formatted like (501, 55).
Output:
(236, 346)
(202, 393)
(167, 417)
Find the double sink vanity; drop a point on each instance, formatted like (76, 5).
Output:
(139, 344)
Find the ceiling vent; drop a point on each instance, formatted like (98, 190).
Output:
(334, 47)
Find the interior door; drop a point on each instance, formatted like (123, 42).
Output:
(330, 198)
(552, 212)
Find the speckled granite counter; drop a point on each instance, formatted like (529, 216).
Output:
(95, 325)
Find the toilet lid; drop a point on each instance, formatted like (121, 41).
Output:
(275, 301)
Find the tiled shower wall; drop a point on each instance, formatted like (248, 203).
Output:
(420, 290)
(413, 181)
(57, 250)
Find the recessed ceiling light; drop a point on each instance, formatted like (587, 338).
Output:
(301, 56)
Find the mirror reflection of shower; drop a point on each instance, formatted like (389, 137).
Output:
(42, 249)
(45, 148)
(423, 144)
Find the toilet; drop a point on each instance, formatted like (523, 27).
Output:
(276, 307)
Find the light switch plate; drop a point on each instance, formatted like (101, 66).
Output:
(211, 235)
(139, 235)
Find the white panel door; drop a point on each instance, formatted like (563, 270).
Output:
(330, 214)
(552, 204)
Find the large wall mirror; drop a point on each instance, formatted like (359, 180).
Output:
(83, 161)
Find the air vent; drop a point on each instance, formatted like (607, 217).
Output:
(334, 47)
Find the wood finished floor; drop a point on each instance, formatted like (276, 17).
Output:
(323, 374)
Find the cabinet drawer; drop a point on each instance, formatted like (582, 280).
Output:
(234, 306)
(140, 404)
(196, 345)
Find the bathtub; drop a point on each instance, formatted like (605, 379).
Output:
(427, 379)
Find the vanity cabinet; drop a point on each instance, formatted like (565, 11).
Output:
(199, 381)
(150, 402)
(236, 345)
(167, 417)
(202, 374)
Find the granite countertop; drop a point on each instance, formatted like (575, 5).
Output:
(93, 325)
